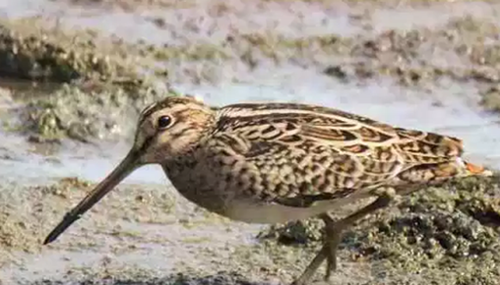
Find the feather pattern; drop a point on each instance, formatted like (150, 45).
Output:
(317, 153)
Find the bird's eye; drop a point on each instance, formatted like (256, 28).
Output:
(164, 122)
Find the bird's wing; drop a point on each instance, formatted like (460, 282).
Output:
(310, 152)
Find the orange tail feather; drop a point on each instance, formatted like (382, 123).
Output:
(474, 169)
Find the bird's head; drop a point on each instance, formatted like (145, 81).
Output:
(166, 130)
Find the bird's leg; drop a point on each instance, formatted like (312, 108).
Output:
(334, 229)
(333, 235)
(306, 276)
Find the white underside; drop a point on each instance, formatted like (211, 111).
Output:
(271, 213)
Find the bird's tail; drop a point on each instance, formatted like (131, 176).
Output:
(476, 170)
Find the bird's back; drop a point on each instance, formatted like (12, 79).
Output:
(284, 151)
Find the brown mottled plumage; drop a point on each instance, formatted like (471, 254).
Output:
(275, 162)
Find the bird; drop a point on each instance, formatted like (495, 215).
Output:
(272, 162)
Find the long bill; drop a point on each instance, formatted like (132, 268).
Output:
(129, 164)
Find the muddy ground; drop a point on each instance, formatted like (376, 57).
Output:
(75, 74)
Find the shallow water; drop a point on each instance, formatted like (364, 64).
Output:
(210, 22)
(447, 107)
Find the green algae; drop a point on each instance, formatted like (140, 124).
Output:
(86, 114)
(294, 233)
(491, 99)
(29, 51)
(143, 278)
(102, 78)
(410, 57)
(93, 81)
(185, 53)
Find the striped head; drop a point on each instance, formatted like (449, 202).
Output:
(166, 130)
(169, 128)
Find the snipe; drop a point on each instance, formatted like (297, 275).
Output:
(273, 163)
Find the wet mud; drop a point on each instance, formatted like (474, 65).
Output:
(75, 75)
(427, 237)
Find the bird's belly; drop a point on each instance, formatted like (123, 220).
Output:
(265, 213)
(250, 210)
(206, 186)
(243, 208)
